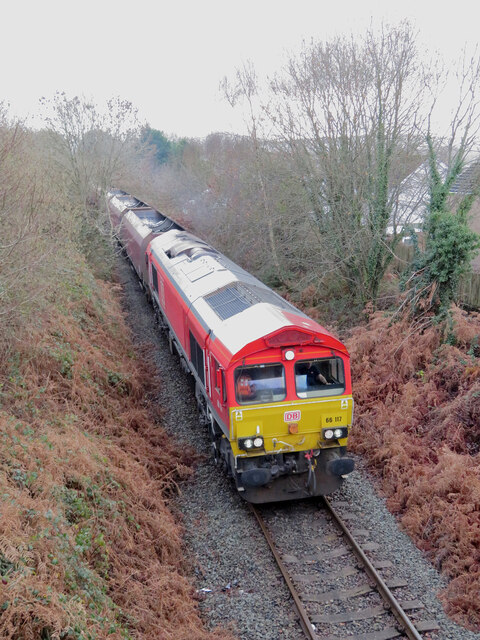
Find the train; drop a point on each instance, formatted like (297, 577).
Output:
(273, 386)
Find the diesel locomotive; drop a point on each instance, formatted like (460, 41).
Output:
(273, 386)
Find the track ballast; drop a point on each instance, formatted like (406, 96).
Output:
(338, 591)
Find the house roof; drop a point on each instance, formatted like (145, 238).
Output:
(468, 181)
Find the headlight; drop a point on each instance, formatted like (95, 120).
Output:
(335, 434)
(252, 442)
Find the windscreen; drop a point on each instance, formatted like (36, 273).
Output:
(320, 377)
(256, 384)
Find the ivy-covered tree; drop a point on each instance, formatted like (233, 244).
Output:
(450, 244)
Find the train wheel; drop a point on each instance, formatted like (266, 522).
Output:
(171, 346)
(184, 365)
(215, 436)
(159, 319)
(147, 293)
(215, 453)
(226, 457)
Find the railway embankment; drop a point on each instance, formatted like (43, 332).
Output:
(232, 568)
(417, 427)
(88, 546)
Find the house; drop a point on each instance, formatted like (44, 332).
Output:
(412, 201)
(410, 204)
(468, 183)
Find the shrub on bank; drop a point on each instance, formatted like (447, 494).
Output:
(88, 546)
(417, 424)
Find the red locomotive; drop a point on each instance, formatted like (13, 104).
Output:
(272, 385)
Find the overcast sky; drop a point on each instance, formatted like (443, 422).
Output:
(169, 57)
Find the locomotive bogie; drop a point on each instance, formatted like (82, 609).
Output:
(291, 476)
(272, 386)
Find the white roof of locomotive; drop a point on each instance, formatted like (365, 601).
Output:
(249, 325)
(198, 276)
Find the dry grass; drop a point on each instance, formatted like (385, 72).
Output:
(88, 546)
(418, 425)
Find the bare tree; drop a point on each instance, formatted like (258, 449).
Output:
(349, 113)
(245, 88)
(92, 146)
(91, 150)
(30, 222)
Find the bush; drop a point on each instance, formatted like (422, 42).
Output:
(417, 424)
(88, 548)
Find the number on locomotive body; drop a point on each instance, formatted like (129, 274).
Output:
(332, 419)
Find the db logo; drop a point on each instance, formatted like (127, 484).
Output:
(292, 416)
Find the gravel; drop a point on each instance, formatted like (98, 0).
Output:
(237, 581)
(358, 498)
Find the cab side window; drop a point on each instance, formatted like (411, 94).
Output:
(219, 380)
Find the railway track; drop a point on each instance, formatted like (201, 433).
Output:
(340, 593)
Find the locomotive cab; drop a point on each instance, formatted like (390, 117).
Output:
(290, 414)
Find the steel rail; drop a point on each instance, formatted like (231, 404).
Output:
(407, 626)
(303, 616)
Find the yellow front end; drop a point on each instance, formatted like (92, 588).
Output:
(290, 426)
